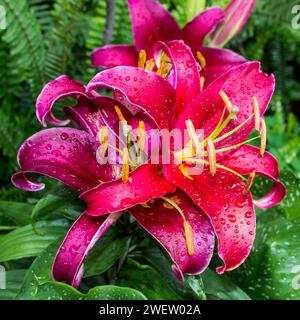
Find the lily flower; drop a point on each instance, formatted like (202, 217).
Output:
(151, 23)
(181, 210)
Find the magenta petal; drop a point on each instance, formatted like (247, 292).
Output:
(230, 211)
(151, 22)
(139, 90)
(247, 159)
(185, 74)
(65, 154)
(236, 15)
(195, 31)
(21, 181)
(55, 90)
(218, 61)
(115, 55)
(165, 224)
(145, 183)
(86, 115)
(83, 235)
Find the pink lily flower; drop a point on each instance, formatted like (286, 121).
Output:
(151, 23)
(182, 211)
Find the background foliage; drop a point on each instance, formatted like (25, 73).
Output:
(46, 38)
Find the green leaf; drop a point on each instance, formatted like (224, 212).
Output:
(197, 285)
(147, 280)
(106, 253)
(272, 270)
(61, 291)
(193, 7)
(58, 200)
(291, 204)
(220, 287)
(18, 212)
(38, 284)
(28, 241)
(14, 280)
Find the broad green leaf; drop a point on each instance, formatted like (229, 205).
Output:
(220, 287)
(38, 285)
(59, 199)
(60, 291)
(196, 284)
(291, 204)
(18, 212)
(105, 253)
(14, 279)
(147, 280)
(193, 7)
(28, 241)
(272, 271)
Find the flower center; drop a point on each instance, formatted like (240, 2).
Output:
(204, 151)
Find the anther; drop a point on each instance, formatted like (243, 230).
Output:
(202, 83)
(142, 59)
(201, 59)
(150, 65)
(162, 68)
(194, 137)
(183, 170)
(189, 238)
(120, 114)
(211, 157)
(263, 137)
(256, 113)
(226, 100)
(103, 134)
(125, 165)
(142, 135)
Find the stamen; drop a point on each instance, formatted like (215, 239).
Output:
(250, 181)
(194, 137)
(236, 145)
(211, 157)
(263, 137)
(142, 135)
(226, 100)
(103, 134)
(188, 231)
(196, 160)
(150, 65)
(189, 238)
(256, 113)
(162, 68)
(201, 59)
(183, 170)
(228, 134)
(142, 59)
(125, 166)
(202, 83)
(120, 114)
